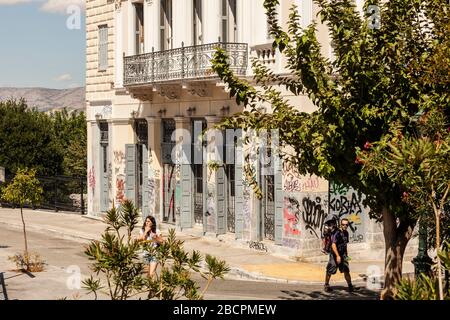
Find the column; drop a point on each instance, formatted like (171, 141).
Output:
(151, 25)
(154, 167)
(305, 8)
(211, 16)
(121, 134)
(183, 191)
(215, 172)
(246, 11)
(131, 28)
(182, 22)
(92, 138)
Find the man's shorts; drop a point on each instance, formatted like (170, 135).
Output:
(148, 259)
(332, 265)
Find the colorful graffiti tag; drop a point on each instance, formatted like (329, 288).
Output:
(91, 179)
(345, 202)
(120, 190)
(291, 213)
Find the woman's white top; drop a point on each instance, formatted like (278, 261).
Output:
(151, 235)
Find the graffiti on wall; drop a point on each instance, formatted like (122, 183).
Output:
(257, 246)
(246, 210)
(120, 190)
(210, 207)
(248, 188)
(303, 216)
(291, 243)
(119, 157)
(314, 212)
(91, 178)
(291, 214)
(345, 202)
(294, 182)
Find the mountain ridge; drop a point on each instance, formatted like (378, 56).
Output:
(47, 99)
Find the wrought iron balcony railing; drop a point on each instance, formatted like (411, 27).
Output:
(182, 63)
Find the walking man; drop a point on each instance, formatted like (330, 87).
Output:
(338, 255)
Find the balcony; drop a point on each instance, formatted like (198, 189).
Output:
(185, 63)
(266, 55)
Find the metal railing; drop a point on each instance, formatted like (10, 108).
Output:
(61, 193)
(192, 62)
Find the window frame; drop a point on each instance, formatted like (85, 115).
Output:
(165, 25)
(103, 61)
(228, 21)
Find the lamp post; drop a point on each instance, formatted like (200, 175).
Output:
(422, 262)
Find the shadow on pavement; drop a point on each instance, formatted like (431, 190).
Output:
(338, 293)
(4, 293)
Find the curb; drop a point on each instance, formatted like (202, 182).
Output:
(255, 276)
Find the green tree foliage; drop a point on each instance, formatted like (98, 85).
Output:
(26, 140)
(420, 165)
(54, 144)
(425, 287)
(70, 135)
(117, 257)
(373, 82)
(23, 189)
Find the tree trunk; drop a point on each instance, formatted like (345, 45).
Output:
(24, 232)
(396, 238)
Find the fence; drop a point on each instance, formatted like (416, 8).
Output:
(61, 193)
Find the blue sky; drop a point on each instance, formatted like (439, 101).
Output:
(37, 49)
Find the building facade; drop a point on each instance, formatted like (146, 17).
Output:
(150, 94)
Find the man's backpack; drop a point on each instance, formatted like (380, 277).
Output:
(326, 239)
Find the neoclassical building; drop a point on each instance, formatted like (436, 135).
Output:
(150, 86)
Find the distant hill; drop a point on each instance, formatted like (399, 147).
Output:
(48, 99)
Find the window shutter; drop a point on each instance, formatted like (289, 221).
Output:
(130, 171)
(186, 196)
(279, 199)
(103, 48)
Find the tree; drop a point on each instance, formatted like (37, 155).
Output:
(117, 257)
(70, 135)
(23, 189)
(420, 165)
(53, 144)
(26, 139)
(372, 82)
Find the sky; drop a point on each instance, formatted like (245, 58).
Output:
(42, 43)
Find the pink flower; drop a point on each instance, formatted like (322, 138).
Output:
(367, 145)
(405, 196)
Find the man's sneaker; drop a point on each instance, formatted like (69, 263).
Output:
(351, 288)
(327, 288)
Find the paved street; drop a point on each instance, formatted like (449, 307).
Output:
(63, 255)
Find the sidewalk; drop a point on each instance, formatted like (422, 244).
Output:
(245, 263)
